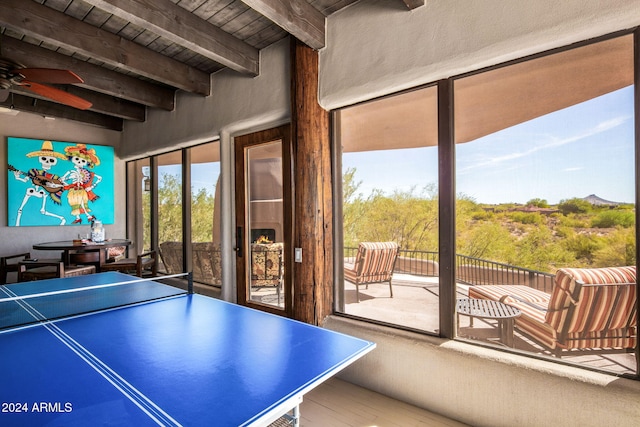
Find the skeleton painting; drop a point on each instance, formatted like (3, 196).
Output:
(58, 183)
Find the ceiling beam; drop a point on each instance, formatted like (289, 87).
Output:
(95, 78)
(185, 29)
(297, 17)
(51, 109)
(55, 27)
(414, 4)
(103, 104)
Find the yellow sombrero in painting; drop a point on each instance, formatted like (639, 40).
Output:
(47, 150)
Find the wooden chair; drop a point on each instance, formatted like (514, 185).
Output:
(145, 262)
(374, 264)
(7, 267)
(41, 270)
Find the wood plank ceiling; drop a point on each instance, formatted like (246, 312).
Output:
(135, 54)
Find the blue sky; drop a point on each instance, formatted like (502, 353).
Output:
(581, 150)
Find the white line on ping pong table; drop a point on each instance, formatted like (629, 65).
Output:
(145, 404)
(86, 288)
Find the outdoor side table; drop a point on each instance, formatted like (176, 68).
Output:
(488, 309)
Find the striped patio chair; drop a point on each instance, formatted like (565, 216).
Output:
(374, 263)
(590, 309)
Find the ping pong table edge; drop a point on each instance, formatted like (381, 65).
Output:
(293, 401)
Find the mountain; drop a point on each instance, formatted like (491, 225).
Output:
(597, 201)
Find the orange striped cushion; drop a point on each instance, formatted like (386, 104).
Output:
(497, 292)
(614, 300)
(374, 262)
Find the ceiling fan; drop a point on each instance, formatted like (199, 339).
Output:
(13, 74)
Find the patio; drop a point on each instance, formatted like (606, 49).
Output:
(415, 306)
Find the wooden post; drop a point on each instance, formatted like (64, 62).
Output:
(313, 200)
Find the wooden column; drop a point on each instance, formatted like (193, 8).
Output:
(313, 199)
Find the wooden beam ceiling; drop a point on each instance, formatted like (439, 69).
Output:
(51, 109)
(297, 17)
(59, 29)
(95, 78)
(103, 104)
(185, 29)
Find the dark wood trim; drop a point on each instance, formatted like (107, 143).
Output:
(313, 232)
(446, 208)
(241, 143)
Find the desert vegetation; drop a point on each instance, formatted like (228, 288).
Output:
(535, 235)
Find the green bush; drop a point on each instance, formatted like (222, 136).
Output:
(574, 205)
(526, 217)
(614, 218)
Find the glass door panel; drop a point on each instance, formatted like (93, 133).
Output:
(265, 207)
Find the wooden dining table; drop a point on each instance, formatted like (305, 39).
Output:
(88, 251)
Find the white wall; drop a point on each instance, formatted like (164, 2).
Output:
(375, 47)
(15, 240)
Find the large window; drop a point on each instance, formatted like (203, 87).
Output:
(546, 190)
(161, 179)
(389, 189)
(543, 153)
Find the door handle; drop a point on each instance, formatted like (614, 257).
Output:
(239, 252)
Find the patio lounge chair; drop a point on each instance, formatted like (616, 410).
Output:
(374, 263)
(590, 309)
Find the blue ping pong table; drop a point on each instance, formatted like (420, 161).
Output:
(181, 359)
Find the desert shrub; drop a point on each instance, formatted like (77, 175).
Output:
(526, 217)
(614, 218)
(574, 205)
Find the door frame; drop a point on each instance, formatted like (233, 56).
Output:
(242, 239)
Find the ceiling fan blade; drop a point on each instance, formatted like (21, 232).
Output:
(57, 95)
(50, 75)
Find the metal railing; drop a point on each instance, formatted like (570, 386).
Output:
(469, 270)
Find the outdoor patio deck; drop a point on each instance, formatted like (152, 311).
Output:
(415, 305)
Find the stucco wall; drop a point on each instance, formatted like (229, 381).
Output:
(26, 125)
